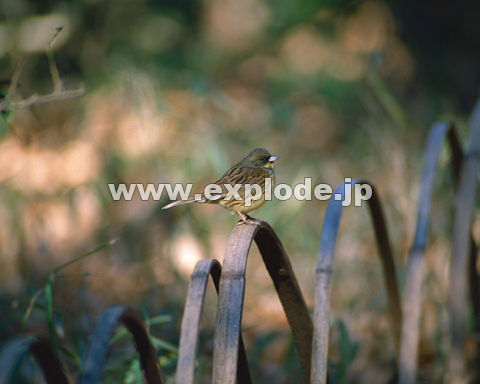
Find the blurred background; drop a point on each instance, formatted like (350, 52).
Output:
(176, 92)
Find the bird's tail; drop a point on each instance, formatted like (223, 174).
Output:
(183, 202)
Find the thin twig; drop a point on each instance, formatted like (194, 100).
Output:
(58, 93)
(16, 76)
(55, 35)
(95, 250)
(57, 81)
(43, 99)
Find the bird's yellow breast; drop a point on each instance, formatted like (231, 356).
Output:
(248, 203)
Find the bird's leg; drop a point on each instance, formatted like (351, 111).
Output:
(242, 216)
(245, 219)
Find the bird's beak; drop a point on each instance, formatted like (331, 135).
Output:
(272, 159)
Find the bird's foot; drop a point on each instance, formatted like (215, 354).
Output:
(246, 219)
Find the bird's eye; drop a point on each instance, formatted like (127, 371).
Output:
(266, 159)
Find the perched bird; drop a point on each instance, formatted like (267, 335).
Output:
(255, 168)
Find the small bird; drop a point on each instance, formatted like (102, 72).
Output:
(255, 168)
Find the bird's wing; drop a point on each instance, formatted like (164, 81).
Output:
(242, 175)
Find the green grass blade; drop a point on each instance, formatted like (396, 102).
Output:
(158, 343)
(49, 308)
(159, 319)
(31, 304)
(95, 250)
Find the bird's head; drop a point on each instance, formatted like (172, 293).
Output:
(260, 157)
